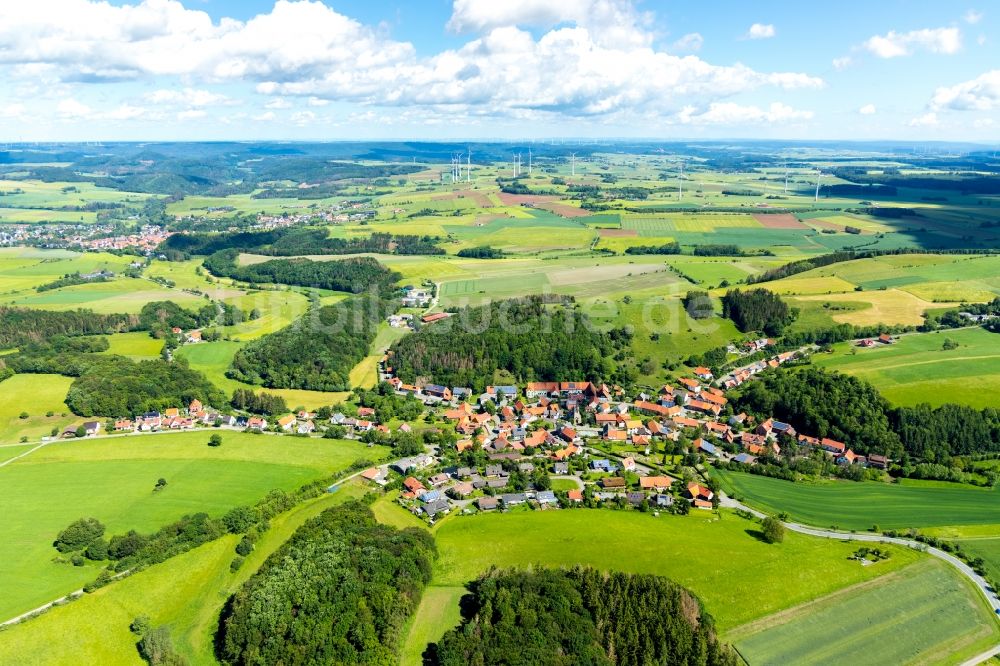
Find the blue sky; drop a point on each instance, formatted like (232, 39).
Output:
(346, 69)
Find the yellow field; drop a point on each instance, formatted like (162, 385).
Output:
(892, 306)
(951, 291)
(817, 285)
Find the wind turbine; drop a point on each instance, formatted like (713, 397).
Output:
(680, 183)
(819, 177)
(786, 179)
(572, 161)
(529, 160)
(468, 167)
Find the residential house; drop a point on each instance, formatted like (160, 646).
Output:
(461, 490)
(437, 391)
(635, 498)
(602, 465)
(413, 485)
(658, 483)
(574, 495)
(560, 468)
(487, 503)
(832, 446)
(612, 483)
(286, 422)
(878, 461)
(439, 479)
(257, 423)
(544, 497)
(628, 464)
(513, 499)
(745, 458)
(697, 491)
(437, 507)
(664, 500)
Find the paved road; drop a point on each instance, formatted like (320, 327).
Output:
(988, 592)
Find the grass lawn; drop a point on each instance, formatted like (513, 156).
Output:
(857, 506)
(738, 577)
(564, 484)
(916, 369)
(926, 613)
(139, 345)
(112, 479)
(186, 593)
(116, 295)
(37, 395)
(438, 612)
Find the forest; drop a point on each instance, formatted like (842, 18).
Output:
(830, 404)
(518, 340)
(353, 275)
(117, 386)
(581, 616)
(21, 325)
(757, 310)
(339, 591)
(292, 241)
(316, 352)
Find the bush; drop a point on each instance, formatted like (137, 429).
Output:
(245, 546)
(239, 519)
(140, 625)
(157, 648)
(773, 530)
(79, 535)
(215, 440)
(97, 550)
(77, 560)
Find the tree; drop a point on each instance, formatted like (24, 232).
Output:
(80, 534)
(215, 440)
(773, 530)
(80, 431)
(161, 483)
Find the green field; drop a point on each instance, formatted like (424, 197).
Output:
(739, 577)
(857, 506)
(37, 395)
(112, 479)
(916, 369)
(931, 613)
(186, 593)
(139, 344)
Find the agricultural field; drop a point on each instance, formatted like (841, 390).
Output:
(112, 479)
(858, 506)
(186, 593)
(138, 345)
(917, 369)
(36, 396)
(931, 612)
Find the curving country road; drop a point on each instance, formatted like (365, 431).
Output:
(984, 587)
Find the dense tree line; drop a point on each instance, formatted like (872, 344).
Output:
(292, 241)
(582, 616)
(388, 405)
(69, 280)
(482, 252)
(118, 386)
(264, 403)
(757, 310)
(59, 355)
(964, 183)
(725, 250)
(803, 265)
(850, 410)
(317, 351)
(526, 339)
(353, 275)
(20, 325)
(673, 247)
(339, 591)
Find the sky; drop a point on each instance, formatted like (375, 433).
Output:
(88, 70)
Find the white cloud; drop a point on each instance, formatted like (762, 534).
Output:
(842, 63)
(302, 118)
(980, 94)
(14, 110)
(730, 113)
(264, 117)
(593, 57)
(928, 119)
(186, 97)
(126, 112)
(316, 101)
(278, 103)
(982, 123)
(972, 17)
(690, 42)
(760, 31)
(191, 114)
(867, 110)
(70, 109)
(935, 40)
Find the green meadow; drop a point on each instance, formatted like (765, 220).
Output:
(917, 369)
(36, 396)
(933, 615)
(858, 506)
(112, 479)
(185, 593)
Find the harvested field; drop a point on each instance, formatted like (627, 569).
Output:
(566, 210)
(518, 199)
(823, 224)
(479, 198)
(617, 233)
(783, 221)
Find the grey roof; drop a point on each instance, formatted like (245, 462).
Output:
(514, 498)
(545, 496)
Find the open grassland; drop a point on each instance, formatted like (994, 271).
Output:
(926, 613)
(977, 540)
(40, 194)
(858, 506)
(214, 358)
(112, 479)
(916, 369)
(24, 268)
(889, 307)
(185, 593)
(36, 396)
(438, 612)
(45, 216)
(365, 373)
(138, 344)
(116, 295)
(738, 576)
